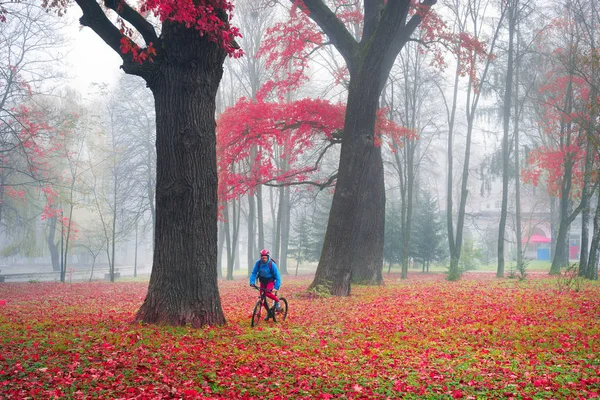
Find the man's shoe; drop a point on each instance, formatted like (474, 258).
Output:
(277, 307)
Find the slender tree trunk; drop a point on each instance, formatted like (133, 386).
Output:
(220, 246)
(135, 256)
(251, 232)
(561, 256)
(285, 231)
(183, 285)
(554, 217)
(592, 137)
(278, 221)
(2, 183)
(518, 166)
(237, 204)
(407, 223)
(114, 227)
(592, 270)
(585, 211)
(229, 242)
(52, 246)
(506, 126)
(561, 253)
(453, 272)
(261, 225)
(62, 249)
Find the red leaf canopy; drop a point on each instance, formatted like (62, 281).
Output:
(280, 134)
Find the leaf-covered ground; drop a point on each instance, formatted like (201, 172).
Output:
(418, 338)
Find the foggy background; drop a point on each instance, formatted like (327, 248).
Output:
(81, 197)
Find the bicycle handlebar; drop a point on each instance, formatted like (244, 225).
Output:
(264, 290)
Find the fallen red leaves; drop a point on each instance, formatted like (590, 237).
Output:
(423, 337)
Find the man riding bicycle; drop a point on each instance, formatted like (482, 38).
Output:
(268, 275)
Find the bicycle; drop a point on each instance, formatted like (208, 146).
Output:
(271, 312)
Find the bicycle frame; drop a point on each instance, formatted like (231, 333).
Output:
(262, 295)
(271, 311)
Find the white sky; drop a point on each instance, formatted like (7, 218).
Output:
(90, 59)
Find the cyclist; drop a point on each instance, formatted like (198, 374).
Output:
(268, 275)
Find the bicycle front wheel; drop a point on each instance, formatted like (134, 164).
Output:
(282, 314)
(256, 314)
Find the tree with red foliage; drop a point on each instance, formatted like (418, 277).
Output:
(182, 66)
(566, 163)
(297, 128)
(368, 38)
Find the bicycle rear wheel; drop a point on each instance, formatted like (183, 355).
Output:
(256, 314)
(282, 314)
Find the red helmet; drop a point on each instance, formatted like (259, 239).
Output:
(264, 252)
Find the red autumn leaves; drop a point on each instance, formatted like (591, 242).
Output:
(259, 142)
(478, 338)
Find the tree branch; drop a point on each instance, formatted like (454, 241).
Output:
(130, 15)
(373, 11)
(402, 35)
(334, 28)
(93, 17)
(314, 168)
(323, 185)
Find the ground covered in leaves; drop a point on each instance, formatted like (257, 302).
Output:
(423, 337)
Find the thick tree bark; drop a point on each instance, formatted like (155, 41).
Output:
(183, 77)
(183, 285)
(354, 246)
(353, 242)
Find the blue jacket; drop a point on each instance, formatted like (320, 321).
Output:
(261, 270)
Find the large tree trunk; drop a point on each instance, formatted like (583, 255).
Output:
(353, 242)
(183, 285)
